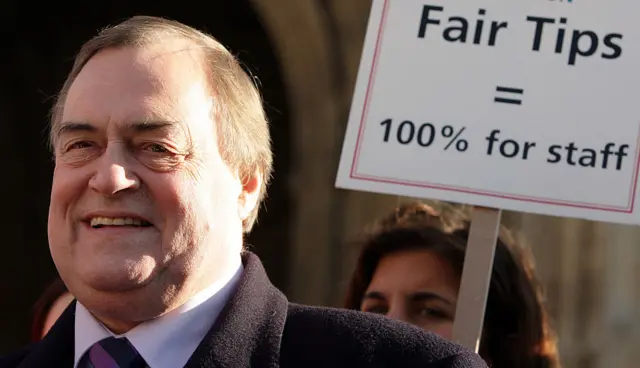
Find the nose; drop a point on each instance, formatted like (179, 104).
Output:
(114, 173)
(398, 313)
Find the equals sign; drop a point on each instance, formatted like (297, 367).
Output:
(515, 91)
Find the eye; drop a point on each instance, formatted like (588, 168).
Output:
(378, 310)
(78, 145)
(432, 313)
(156, 148)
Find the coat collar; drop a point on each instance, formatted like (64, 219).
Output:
(247, 333)
(249, 330)
(56, 348)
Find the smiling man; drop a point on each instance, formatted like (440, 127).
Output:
(162, 156)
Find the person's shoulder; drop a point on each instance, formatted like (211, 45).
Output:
(14, 358)
(382, 341)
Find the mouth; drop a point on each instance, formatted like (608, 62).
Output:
(99, 222)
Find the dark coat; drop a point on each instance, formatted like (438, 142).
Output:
(260, 328)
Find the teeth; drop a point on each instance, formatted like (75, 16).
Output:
(115, 221)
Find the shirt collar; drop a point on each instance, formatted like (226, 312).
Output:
(182, 329)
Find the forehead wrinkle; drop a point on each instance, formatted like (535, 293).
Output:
(159, 61)
(190, 51)
(163, 69)
(171, 52)
(155, 49)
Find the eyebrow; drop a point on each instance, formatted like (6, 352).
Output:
(374, 295)
(422, 296)
(146, 126)
(419, 296)
(69, 127)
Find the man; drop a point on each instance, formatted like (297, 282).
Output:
(162, 156)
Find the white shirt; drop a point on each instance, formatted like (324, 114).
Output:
(170, 340)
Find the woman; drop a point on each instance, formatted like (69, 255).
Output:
(410, 268)
(49, 307)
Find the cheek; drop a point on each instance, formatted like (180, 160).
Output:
(195, 199)
(443, 329)
(184, 204)
(171, 196)
(67, 186)
(217, 189)
(48, 323)
(66, 189)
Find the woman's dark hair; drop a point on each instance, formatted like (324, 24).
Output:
(43, 305)
(516, 328)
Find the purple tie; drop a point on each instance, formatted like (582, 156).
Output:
(114, 353)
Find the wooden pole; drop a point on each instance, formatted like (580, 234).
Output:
(476, 277)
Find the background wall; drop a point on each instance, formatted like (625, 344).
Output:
(591, 270)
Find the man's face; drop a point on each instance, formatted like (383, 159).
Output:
(144, 211)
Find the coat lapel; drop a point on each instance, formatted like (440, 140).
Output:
(249, 330)
(56, 348)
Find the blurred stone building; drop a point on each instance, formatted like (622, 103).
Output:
(306, 55)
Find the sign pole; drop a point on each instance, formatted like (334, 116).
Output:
(476, 277)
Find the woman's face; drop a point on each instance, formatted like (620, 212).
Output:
(417, 287)
(56, 310)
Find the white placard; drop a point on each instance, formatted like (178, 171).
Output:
(530, 105)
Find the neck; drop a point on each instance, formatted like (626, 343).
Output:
(119, 327)
(226, 269)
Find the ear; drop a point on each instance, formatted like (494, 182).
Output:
(248, 200)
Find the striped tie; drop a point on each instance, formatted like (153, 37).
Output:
(114, 353)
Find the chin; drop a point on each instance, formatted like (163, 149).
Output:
(115, 294)
(116, 282)
(132, 306)
(122, 276)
